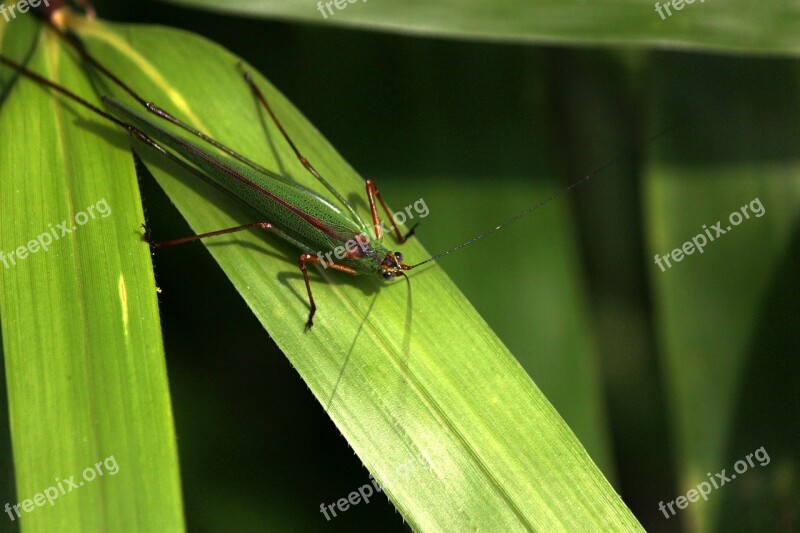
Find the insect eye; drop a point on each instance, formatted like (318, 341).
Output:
(399, 256)
(388, 275)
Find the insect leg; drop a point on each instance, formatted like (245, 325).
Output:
(305, 162)
(263, 225)
(308, 258)
(372, 193)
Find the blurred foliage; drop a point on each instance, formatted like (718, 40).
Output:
(696, 367)
(771, 26)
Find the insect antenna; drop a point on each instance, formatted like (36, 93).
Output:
(542, 203)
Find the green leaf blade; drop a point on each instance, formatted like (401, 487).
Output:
(83, 356)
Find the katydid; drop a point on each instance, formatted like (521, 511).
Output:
(296, 214)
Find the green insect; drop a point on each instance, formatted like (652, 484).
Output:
(295, 213)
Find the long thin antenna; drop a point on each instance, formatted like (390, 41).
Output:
(540, 204)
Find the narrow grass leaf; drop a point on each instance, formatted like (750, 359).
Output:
(86, 377)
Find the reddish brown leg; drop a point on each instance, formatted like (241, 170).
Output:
(308, 258)
(372, 193)
(263, 225)
(257, 92)
(305, 258)
(305, 162)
